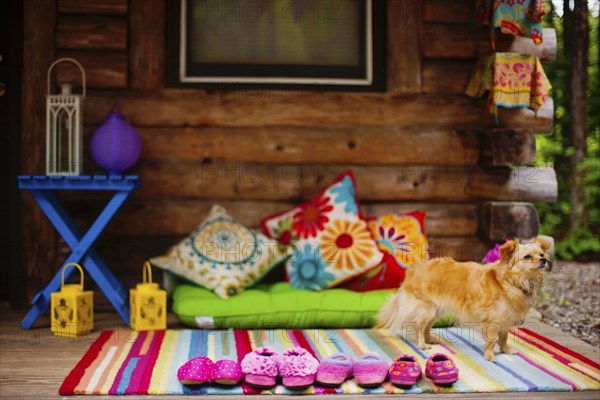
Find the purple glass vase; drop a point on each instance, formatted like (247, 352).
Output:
(116, 146)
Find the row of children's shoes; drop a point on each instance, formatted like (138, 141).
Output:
(372, 370)
(259, 368)
(298, 369)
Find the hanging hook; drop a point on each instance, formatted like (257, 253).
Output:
(116, 108)
(147, 273)
(72, 60)
(80, 271)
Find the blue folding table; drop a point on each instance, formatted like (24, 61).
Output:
(42, 189)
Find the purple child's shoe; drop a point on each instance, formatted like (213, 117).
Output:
(261, 367)
(226, 372)
(441, 369)
(370, 370)
(297, 368)
(195, 371)
(405, 370)
(334, 370)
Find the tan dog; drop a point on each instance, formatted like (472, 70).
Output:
(493, 296)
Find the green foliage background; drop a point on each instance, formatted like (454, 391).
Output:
(554, 150)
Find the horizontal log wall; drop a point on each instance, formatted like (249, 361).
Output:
(294, 183)
(435, 108)
(420, 145)
(368, 146)
(96, 34)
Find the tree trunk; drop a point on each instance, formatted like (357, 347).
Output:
(567, 27)
(579, 48)
(564, 66)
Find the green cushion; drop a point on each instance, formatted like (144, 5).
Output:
(271, 306)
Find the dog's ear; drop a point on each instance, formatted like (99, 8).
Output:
(507, 250)
(544, 245)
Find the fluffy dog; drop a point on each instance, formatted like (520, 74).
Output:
(492, 296)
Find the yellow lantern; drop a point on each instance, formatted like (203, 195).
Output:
(148, 304)
(72, 308)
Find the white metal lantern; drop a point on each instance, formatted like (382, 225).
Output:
(64, 127)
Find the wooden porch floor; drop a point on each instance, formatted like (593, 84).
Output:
(33, 363)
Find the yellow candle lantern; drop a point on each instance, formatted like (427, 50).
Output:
(148, 304)
(72, 308)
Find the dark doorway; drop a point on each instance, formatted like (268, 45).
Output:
(11, 64)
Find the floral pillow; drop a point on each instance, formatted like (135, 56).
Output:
(403, 240)
(327, 238)
(222, 255)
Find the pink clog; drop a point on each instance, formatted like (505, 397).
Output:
(370, 370)
(405, 370)
(297, 368)
(441, 369)
(261, 367)
(334, 370)
(226, 372)
(195, 371)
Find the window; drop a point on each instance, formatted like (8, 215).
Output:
(300, 44)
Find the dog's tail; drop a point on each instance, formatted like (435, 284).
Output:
(388, 312)
(398, 310)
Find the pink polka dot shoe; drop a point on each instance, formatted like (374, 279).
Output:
(441, 369)
(226, 372)
(297, 368)
(195, 371)
(261, 367)
(405, 370)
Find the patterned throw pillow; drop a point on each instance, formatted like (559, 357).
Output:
(222, 255)
(327, 238)
(403, 240)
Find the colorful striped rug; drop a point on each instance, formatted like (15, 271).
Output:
(147, 362)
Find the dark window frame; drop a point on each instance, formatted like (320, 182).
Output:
(302, 77)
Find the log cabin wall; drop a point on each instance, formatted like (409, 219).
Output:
(420, 145)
